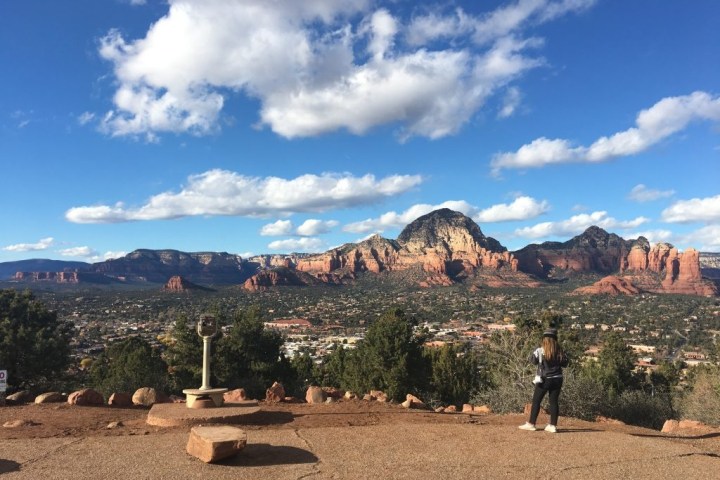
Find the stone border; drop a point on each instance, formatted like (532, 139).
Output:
(177, 414)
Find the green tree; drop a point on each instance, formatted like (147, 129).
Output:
(334, 366)
(455, 377)
(128, 365)
(615, 366)
(249, 356)
(184, 356)
(389, 358)
(34, 344)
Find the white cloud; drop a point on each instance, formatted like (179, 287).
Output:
(640, 193)
(510, 102)
(85, 118)
(654, 236)
(78, 252)
(43, 244)
(576, 225)
(705, 239)
(220, 192)
(305, 244)
(694, 210)
(318, 66)
(312, 227)
(111, 255)
(522, 208)
(275, 229)
(668, 116)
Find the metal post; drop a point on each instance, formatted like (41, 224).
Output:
(206, 364)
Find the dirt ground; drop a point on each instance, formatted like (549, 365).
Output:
(346, 439)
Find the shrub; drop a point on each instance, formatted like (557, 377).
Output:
(636, 407)
(702, 403)
(582, 397)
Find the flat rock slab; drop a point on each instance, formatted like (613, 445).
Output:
(177, 414)
(214, 443)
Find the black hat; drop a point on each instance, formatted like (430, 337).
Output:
(550, 332)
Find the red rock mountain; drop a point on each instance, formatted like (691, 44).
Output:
(610, 285)
(443, 247)
(595, 250)
(179, 284)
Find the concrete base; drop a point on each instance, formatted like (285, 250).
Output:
(215, 394)
(176, 415)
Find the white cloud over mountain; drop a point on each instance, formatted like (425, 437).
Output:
(320, 65)
(305, 244)
(576, 225)
(668, 116)
(522, 208)
(705, 210)
(221, 192)
(309, 228)
(42, 244)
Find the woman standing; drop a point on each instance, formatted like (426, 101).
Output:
(550, 359)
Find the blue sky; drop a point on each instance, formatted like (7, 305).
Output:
(255, 126)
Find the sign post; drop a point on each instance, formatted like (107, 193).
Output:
(3, 386)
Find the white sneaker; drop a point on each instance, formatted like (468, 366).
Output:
(527, 426)
(551, 429)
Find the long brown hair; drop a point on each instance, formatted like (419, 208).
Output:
(551, 349)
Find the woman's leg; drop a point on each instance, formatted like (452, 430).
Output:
(554, 389)
(538, 395)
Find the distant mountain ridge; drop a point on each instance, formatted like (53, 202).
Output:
(440, 248)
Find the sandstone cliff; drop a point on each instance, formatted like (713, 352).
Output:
(280, 276)
(610, 285)
(178, 284)
(447, 245)
(595, 250)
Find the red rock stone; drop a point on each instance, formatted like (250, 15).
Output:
(235, 396)
(214, 443)
(148, 396)
(315, 395)
(275, 394)
(120, 399)
(86, 396)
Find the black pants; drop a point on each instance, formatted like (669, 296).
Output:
(553, 386)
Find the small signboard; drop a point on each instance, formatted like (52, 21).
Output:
(3, 380)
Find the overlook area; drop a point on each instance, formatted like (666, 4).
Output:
(347, 439)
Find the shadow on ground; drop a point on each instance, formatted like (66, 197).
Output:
(7, 466)
(265, 455)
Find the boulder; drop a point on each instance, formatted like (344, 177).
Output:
(450, 409)
(148, 396)
(213, 443)
(379, 395)
(686, 426)
(50, 397)
(467, 408)
(275, 394)
(315, 395)
(18, 423)
(120, 399)
(367, 397)
(235, 396)
(670, 426)
(411, 401)
(18, 398)
(350, 395)
(439, 409)
(482, 409)
(86, 396)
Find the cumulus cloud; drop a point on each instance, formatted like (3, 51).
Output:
(522, 208)
(85, 251)
(221, 192)
(43, 244)
(309, 228)
(277, 229)
(318, 66)
(668, 116)
(109, 255)
(640, 193)
(578, 224)
(694, 210)
(305, 244)
(705, 239)
(654, 236)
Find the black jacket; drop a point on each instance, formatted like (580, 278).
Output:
(551, 367)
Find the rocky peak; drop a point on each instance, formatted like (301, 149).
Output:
(445, 229)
